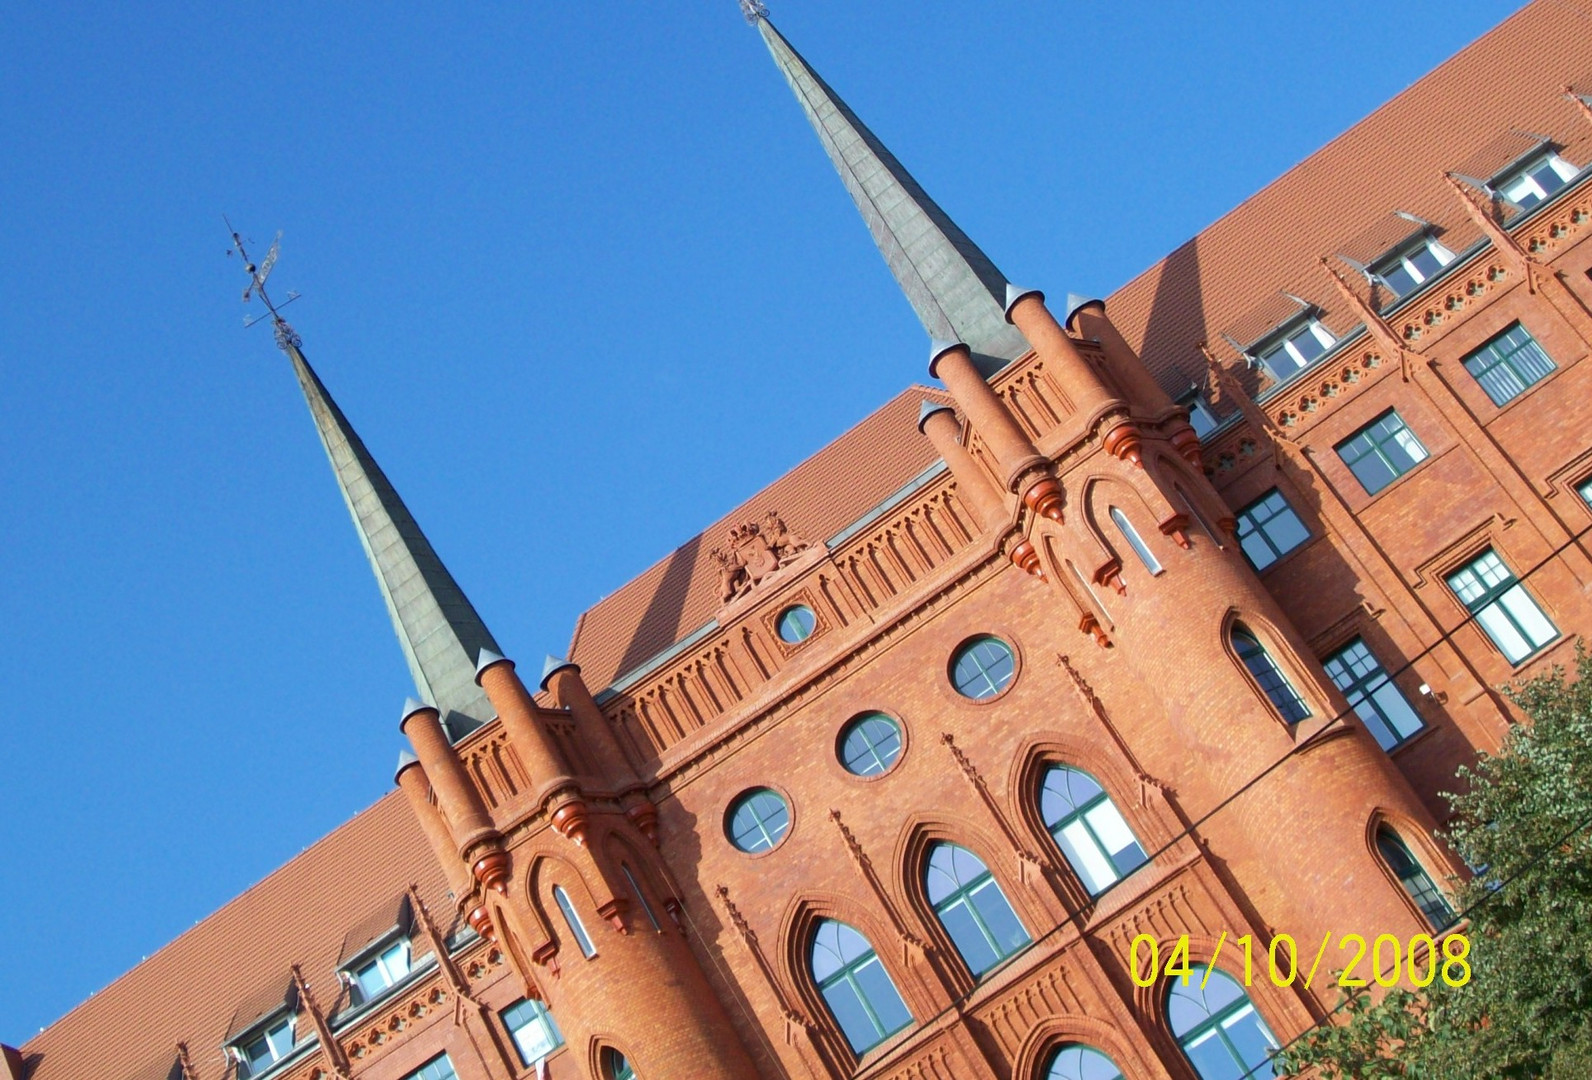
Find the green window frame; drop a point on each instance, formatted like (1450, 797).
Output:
(870, 744)
(1075, 1061)
(438, 1068)
(1278, 690)
(1416, 881)
(1091, 832)
(532, 1030)
(758, 820)
(1509, 364)
(1502, 607)
(1217, 1027)
(970, 905)
(982, 667)
(1268, 529)
(855, 986)
(1379, 704)
(1382, 451)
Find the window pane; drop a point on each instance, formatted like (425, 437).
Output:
(1308, 345)
(1081, 1063)
(1399, 279)
(1273, 683)
(1508, 364)
(1268, 529)
(1135, 541)
(531, 1025)
(870, 744)
(969, 939)
(1425, 261)
(881, 994)
(1376, 700)
(1503, 633)
(1115, 836)
(1087, 860)
(575, 926)
(758, 820)
(998, 917)
(1534, 625)
(845, 1002)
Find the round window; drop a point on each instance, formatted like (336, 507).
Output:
(796, 623)
(982, 667)
(757, 820)
(870, 744)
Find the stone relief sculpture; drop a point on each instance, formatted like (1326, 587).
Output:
(754, 552)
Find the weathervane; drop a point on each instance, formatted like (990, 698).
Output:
(754, 10)
(286, 337)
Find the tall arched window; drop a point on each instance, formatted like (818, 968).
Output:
(1088, 828)
(1416, 881)
(1135, 541)
(1220, 1032)
(576, 927)
(1078, 1062)
(855, 986)
(1284, 698)
(972, 908)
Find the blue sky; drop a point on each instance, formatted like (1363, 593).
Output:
(583, 279)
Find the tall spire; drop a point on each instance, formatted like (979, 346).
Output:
(956, 290)
(439, 630)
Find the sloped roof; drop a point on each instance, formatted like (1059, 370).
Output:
(1466, 114)
(194, 989)
(818, 498)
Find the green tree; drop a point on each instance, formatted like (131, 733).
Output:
(1524, 818)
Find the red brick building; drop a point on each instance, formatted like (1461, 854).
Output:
(1169, 614)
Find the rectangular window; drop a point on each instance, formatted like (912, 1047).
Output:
(438, 1068)
(1413, 266)
(1502, 607)
(1528, 186)
(1387, 714)
(1268, 529)
(1585, 490)
(532, 1028)
(387, 967)
(1508, 364)
(1381, 452)
(1295, 348)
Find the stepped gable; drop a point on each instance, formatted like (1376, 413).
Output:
(193, 989)
(1391, 160)
(817, 499)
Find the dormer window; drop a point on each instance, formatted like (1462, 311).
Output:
(1536, 180)
(1294, 347)
(1413, 265)
(371, 976)
(257, 1051)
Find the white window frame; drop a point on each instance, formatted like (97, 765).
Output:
(377, 957)
(1519, 182)
(265, 1029)
(1401, 259)
(1283, 341)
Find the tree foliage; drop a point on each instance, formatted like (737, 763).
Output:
(1524, 817)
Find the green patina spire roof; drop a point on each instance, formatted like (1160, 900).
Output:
(439, 629)
(953, 286)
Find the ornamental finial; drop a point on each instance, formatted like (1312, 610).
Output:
(754, 10)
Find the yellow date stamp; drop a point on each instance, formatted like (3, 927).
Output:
(1387, 959)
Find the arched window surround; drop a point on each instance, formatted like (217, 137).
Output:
(1144, 805)
(797, 928)
(1054, 1032)
(546, 872)
(947, 689)
(1299, 678)
(598, 1050)
(917, 839)
(1427, 856)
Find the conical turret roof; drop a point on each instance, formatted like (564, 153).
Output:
(953, 286)
(437, 626)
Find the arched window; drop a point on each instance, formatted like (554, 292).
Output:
(1078, 1062)
(615, 1067)
(1284, 698)
(1088, 828)
(855, 986)
(641, 896)
(1220, 1032)
(575, 926)
(972, 908)
(1135, 541)
(1416, 881)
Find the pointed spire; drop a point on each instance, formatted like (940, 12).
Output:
(952, 285)
(439, 630)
